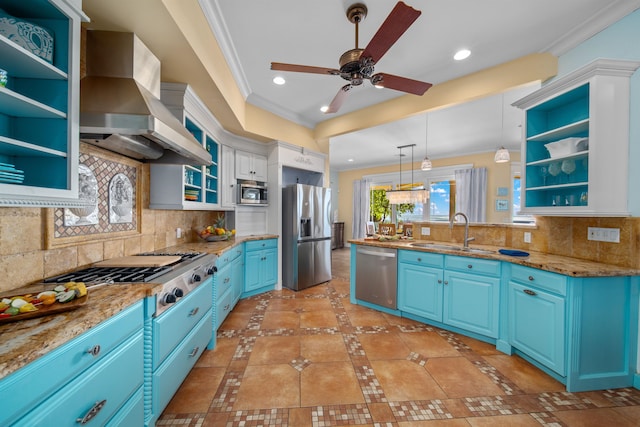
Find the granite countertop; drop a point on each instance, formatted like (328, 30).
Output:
(24, 341)
(568, 266)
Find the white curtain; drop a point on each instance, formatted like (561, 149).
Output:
(471, 193)
(360, 208)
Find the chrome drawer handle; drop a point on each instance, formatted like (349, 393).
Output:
(531, 279)
(194, 352)
(226, 279)
(226, 307)
(95, 350)
(194, 311)
(529, 292)
(92, 412)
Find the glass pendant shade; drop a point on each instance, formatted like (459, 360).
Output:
(426, 164)
(502, 155)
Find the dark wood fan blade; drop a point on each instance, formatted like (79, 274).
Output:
(398, 21)
(339, 99)
(303, 68)
(403, 84)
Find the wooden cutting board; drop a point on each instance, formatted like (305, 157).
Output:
(139, 261)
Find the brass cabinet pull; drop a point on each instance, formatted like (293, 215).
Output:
(529, 292)
(92, 412)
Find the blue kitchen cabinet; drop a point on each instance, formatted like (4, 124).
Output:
(237, 271)
(229, 282)
(421, 276)
(472, 294)
(102, 369)
(537, 323)
(261, 266)
(39, 108)
(179, 337)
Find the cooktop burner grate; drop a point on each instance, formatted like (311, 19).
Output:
(115, 274)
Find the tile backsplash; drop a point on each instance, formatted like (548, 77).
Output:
(554, 235)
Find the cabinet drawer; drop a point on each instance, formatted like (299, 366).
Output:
(170, 375)
(472, 265)
(421, 258)
(255, 245)
(223, 281)
(224, 305)
(170, 328)
(552, 282)
(229, 255)
(114, 380)
(36, 381)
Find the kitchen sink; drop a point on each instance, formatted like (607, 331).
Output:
(437, 246)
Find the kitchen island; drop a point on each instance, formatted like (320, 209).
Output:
(574, 319)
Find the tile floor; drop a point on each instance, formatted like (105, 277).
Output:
(312, 359)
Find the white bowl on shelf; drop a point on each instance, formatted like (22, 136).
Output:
(567, 146)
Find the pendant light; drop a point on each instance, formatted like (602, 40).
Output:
(426, 163)
(412, 195)
(502, 155)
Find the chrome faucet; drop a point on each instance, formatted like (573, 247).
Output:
(467, 239)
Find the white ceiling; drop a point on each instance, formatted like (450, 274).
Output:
(254, 33)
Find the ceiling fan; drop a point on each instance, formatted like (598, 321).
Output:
(357, 65)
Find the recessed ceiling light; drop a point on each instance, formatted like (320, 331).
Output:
(462, 54)
(324, 108)
(279, 80)
(378, 86)
(349, 160)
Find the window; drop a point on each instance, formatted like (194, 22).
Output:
(516, 191)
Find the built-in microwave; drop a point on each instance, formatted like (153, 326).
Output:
(252, 193)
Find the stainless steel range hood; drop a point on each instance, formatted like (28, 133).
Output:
(120, 107)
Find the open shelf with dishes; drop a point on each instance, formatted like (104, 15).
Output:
(576, 142)
(39, 104)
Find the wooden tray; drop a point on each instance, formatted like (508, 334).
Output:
(45, 310)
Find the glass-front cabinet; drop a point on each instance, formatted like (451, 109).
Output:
(576, 140)
(188, 187)
(39, 102)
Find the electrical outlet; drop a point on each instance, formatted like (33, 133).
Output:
(527, 237)
(611, 235)
(426, 231)
(178, 233)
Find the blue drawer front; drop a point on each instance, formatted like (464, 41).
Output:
(224, 281)
(552, 282)
(131, 414)
(255, 245)
(223, 307)
(114, 380)
(170, 375)
(421, 258)
(26, 387)
(170, 328)
(472, 265)
(229, 256)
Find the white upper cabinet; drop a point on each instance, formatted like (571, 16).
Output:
(585, 116)
(39, 105)
(251, 166)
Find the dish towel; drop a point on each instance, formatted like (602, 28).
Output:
(513, 252)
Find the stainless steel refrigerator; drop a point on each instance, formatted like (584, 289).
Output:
(306, 236)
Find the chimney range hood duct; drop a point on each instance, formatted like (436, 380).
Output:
(120, 107)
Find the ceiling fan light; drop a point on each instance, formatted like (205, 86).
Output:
(426, 164)
(462, 54)
(502, 155)
(279, 80)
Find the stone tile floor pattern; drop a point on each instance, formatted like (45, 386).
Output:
(372, 369)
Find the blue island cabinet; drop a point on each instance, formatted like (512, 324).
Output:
(580, 330)
(97, 376)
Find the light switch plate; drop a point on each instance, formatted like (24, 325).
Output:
(527, 237)
(426, 231)
(611, 235)
(178, 233)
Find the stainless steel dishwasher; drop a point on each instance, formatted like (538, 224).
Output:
(376, 276)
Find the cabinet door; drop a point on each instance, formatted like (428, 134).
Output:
(243, 165)
(536, 325)
(259, 168)
(471, 302)
(420, 291)
(237, 272)
(269, 267)
(228, 178)
(252, 270)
